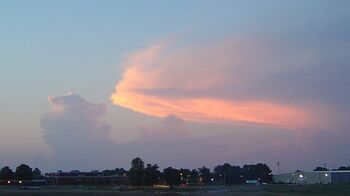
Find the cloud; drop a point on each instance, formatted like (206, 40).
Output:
(215, 82)
(79, 138)
(172, 127)
(77, 133)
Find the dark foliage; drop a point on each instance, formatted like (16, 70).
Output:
(136, 172)
(171, 176)
(321, 169)
(185, 175)
(24, 172)
(344, 168)
(204, 175)
(193, 177)
(36, 172)
(6, 173)
(230, 174)
(151, 175)
(115, 172)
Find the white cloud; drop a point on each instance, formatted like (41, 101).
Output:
(76, 131)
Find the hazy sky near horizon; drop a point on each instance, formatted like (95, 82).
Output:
(178, 83)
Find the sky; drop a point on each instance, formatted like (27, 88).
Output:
(92, 84)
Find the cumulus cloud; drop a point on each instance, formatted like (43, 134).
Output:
(77, 133)
(79, 137)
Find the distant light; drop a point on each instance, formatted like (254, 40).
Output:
(326, 175)
(212, 179)
(180, 174)
(8, 182)
(292, 174)
(20, 182)
(301, 176)
(220, 175)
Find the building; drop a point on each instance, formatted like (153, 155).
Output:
(313, 177)
(83, 178)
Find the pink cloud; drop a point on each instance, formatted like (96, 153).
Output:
(206, 82)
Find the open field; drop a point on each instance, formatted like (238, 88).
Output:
(265, 190)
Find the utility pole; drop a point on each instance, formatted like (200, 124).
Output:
(278, 167)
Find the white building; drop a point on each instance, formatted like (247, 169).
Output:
(314, 177)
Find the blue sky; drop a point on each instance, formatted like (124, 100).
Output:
(72, 45)
(50, 48)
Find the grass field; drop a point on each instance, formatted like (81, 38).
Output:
(265, 190)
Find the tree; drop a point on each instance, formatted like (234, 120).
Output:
(136, 172)
(193, 177)
(259, 172)
(228, 174)
(6, 173)
(321, 169)
(264, 172)
(171, 176)
(114, 172)
(120, 171)
(205, 175)
(24, 172)
(344, 168)
(184, 175)
(151, 174)
(36, 172)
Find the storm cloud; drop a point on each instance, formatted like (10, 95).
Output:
(77, 133)
(79, 137)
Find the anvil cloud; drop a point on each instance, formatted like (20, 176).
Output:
(214, 82)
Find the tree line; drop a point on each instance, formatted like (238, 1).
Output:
(149, 174)
(141, 174)
(22, 172)
(341, 168)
